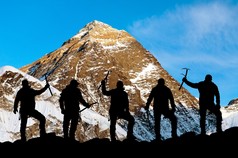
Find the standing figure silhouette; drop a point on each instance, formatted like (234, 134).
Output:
(162, 96)
(119, 108)
(208, 90)
(26, 97)
(70, 98)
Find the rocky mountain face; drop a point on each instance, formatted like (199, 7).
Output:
(87, 57)
(99, 48)
(232, 106)
(232, 102)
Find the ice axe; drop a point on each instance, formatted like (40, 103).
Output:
(49, 86)
(148, 116)
(86, 107)
(105, 79)
(185, 75)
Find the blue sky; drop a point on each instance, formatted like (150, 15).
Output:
(200, 35)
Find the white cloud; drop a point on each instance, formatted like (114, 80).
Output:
(201, 36)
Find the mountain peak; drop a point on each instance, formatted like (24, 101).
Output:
(97, 29)
(96, 23)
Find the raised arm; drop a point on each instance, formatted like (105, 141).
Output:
(38, 92)
(104, 91)
(193, 85)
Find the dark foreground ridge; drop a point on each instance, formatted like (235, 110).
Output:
(189, 141)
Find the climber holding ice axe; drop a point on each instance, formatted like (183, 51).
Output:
(69, 100)
(162, 96)
(119, 108)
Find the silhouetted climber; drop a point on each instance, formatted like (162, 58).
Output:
(70, 98)
(162, 96)
(26, 97)
(207, 92)
(119, 109)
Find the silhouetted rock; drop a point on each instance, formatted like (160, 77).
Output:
(188, 142)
